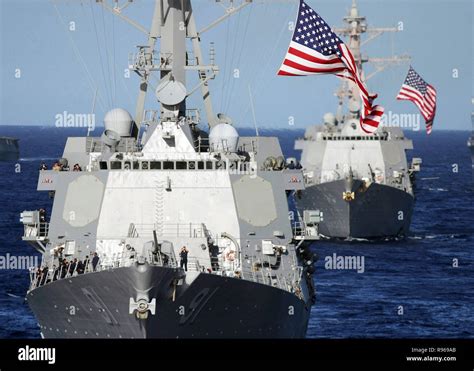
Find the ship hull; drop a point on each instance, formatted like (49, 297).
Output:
(378, 211)
(9, 150)
(96, 305)
(471, 147)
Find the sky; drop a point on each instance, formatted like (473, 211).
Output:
(46, 68)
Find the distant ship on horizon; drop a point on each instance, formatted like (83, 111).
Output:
(360, 184)
(470, 142)
(9, 149)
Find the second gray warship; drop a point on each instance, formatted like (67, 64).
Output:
(360, 183)
(470, 142)
(9, 149)
(159, 230)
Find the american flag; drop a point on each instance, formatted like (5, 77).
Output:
(422, 94)
(316, 49)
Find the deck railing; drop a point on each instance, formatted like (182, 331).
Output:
(186, 230)
(35, 231)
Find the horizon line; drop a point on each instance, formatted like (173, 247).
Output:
(237, 127)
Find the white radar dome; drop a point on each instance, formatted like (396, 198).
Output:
(223, 138)
(119, 121)
(329, 119)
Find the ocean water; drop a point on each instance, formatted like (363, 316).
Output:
(409, 288)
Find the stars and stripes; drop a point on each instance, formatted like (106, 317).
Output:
(422, 94)
(316, 49)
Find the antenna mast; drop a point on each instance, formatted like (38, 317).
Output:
(356, 26)
(173, 22)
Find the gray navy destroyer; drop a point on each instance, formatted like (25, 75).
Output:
(129, 206)
(9, 149)
(470, 142)
(360, 183)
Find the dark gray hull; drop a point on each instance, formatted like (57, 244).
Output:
(379, 211)
(211, 307)
(471, 148)
(9, 149)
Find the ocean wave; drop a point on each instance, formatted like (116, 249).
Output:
(441, 236)
(14, 296)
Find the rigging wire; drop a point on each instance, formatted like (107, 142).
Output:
(225, 65)
(104, 76)
(253, 68)
(245, 65)
(258, 79)
(230, 77)
(244, 39)
(127, 91)
(113, 63)
(109, 88)
(91, 81)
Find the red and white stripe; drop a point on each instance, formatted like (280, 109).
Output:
(425, 103)
(303, 61)
(370, 115)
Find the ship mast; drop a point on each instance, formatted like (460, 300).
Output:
(173, 22)
(356, 26)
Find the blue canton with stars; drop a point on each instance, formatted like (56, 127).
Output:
(415, 81)
(313, 32)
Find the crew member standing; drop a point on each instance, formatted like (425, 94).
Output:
(183, 254)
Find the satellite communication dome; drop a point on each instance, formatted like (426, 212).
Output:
(223, 138)
(329, 119)
(119, 121)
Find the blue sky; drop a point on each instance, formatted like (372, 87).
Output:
(438, 35)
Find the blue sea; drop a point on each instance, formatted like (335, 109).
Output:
(409, 288)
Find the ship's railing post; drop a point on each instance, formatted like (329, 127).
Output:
(86, 266)
(51, 268)
(263, 274)
(251, 269)
(32, 278)
(161, 260)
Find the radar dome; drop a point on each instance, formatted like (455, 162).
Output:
(119, 121)
(329, 119)
(223, 138)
